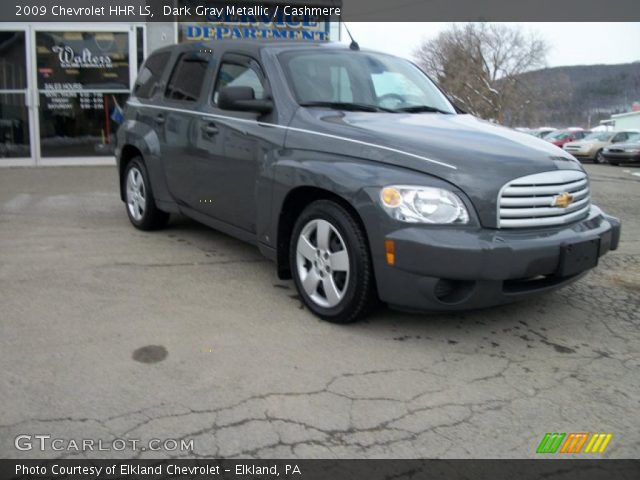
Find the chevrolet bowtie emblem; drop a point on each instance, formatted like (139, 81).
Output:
(563, 200)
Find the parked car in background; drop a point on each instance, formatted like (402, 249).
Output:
(627, 152)
(591, 146)
(560, 137)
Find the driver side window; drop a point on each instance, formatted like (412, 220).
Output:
(240, 72)
(620, 137)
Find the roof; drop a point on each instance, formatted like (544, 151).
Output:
(254, 45)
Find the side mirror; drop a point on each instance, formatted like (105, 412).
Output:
(242, 99)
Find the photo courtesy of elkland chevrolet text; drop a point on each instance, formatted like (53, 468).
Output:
(357, 175)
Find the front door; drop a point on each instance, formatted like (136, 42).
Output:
(235, 148)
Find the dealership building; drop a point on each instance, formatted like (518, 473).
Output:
(63, 85)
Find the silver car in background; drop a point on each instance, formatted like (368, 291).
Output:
(591, 147)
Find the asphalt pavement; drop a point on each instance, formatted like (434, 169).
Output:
(110, 333)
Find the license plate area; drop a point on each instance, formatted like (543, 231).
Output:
(578, 257)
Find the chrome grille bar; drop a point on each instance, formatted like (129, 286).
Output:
(528, 202)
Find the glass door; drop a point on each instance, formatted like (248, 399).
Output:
(83, 81)
(16, 116)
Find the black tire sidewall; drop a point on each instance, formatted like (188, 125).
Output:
(359, 263)
(149, 219)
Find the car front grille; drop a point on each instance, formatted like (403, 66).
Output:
(529, 201)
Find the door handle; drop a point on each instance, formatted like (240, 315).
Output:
(160, 119)
(210, 129)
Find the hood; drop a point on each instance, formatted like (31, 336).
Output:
(583, 143)
(622, 146)
(476, 156)
(586, 144)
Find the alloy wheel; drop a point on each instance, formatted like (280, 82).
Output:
(322, 261)
(136, 194)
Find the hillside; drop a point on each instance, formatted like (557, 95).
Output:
(578, 95)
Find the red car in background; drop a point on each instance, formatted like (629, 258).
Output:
(560, 137)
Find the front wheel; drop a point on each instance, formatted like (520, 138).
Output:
(330, 262)
(600, 157)
(141, 206)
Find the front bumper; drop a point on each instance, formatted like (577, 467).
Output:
(446, 268)
(581, 154)
(622, 157)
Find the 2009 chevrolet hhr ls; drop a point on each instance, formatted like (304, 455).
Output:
(356, 174)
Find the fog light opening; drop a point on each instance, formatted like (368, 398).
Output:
(453, 291)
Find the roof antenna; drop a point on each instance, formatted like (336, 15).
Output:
(354, 45)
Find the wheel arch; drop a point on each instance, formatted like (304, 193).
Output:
(296, 200)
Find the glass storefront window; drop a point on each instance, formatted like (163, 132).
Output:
(14, 115)
(13, 61)
(14, 126)
(79, 124)
(90, 60)
(83, 83)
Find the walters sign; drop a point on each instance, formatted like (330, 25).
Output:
(82, 60)
(86, 59)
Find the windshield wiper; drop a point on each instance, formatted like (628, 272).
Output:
(355, 107)
(421, 109)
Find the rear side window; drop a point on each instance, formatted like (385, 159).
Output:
(150, 75)
(187, 77)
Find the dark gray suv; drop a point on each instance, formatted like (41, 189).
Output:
(356, 175)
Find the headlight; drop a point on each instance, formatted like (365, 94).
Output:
(423, 205)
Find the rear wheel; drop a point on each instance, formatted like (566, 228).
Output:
(330, 262)
(141, 206)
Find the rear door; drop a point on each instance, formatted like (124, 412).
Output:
(147, 93)
(178, 121)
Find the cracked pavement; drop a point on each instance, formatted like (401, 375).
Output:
(248, 372)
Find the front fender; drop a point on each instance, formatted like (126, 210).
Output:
(355, 181)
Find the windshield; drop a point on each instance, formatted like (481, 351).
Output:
(557, 136)
(378, 81)
(598, 136)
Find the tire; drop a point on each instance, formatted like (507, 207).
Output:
(335, 286)
(599, 158)
(139, 202)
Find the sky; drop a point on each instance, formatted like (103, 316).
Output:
(570, 43)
